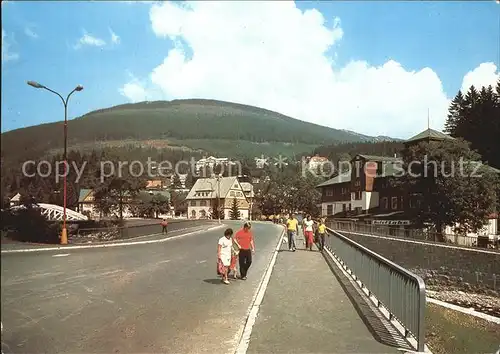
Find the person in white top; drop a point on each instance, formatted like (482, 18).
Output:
(224, 252)
(309, 232)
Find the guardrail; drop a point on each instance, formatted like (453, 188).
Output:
(400, 291)
(414, 234)
(132, 231)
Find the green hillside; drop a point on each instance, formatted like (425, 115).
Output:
(212, 126)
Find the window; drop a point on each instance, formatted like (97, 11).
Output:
(350, 207)
(203, 203)
(232, 194)
(357, 183)
(344, 208)
(193, 203)
(358, 195)
(329, 192)
(329, 209)
(384, 203)
(344, 190)
(394, 203)
(401, 203)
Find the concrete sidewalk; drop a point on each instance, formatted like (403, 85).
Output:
(306, 309)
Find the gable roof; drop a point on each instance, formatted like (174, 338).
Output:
(84, 193)
(430, 134)
(212, 187)
(377, 158)
(340, 178)
(16, 198)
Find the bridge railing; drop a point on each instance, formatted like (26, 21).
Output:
(133, 231)
(414, 234)
(401, 292)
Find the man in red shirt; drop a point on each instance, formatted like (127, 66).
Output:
(244, 237)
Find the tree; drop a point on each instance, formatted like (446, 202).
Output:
(452, 185)
(234, 213)
(116, 191)
(178, 202)
(152, 206)
(216, 210)
(476, 118)
(176, 182)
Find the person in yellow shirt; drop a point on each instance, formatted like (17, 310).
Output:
(292, 225)
(322, 233)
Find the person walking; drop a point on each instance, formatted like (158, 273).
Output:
(246, 242)
(164, 225)
(322, 233)
(309, 232)
(292, 225)
(224, 254)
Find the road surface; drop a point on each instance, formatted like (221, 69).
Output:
(161, 297)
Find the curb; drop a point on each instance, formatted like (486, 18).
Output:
(245, 333)
(116, 244)
(464, 310)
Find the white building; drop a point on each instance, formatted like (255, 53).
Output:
(205, 192)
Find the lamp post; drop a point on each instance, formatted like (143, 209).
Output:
(64, 233)
(218, 195)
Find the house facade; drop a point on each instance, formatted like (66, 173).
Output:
(367, 193)
(206, 191)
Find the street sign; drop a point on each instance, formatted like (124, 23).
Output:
(391, 222)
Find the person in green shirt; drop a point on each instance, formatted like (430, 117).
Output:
(292, 225)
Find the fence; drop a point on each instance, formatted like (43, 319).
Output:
(401, 292)
(132, 231)
(417, 234)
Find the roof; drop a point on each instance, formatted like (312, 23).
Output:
(377, 158)
(84, 193)
(318, 159)
(146, 195)
(212, 187)
(16, 198)
(340, 178)
(430, 134)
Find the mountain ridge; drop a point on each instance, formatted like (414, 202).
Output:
(193, 120)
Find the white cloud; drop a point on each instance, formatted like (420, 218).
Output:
(30, 33)
(89, 40)
(484, 75)
(6, 53)
(134, 90)
(114, 37)
(276, 56)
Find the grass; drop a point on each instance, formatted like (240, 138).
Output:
(449, 331)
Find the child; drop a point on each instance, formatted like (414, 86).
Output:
(321, 233)
(235, 250)
(224, 254)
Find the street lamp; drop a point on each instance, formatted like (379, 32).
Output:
(64, 233)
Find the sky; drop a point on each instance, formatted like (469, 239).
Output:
(375, 67)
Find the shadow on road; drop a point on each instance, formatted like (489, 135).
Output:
(213, 281)
(380, 328)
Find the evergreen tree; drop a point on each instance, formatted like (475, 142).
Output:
(235, 213)
(176, 182)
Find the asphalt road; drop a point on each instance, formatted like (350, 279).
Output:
(161, 297)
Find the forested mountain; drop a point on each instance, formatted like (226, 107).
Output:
(208, 125)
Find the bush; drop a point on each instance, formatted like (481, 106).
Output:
(29, 225)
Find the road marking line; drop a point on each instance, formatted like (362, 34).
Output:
(118, 244)
(61, 255)
(244, 340)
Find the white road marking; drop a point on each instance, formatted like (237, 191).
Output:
(113, 244)
(200, 262)
(166, 261)
(61, 255)
(244, 340)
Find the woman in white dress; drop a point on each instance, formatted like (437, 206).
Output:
(224, 253)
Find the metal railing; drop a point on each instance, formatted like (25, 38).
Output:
(400, 291)
(132, 231)
(414, 234)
